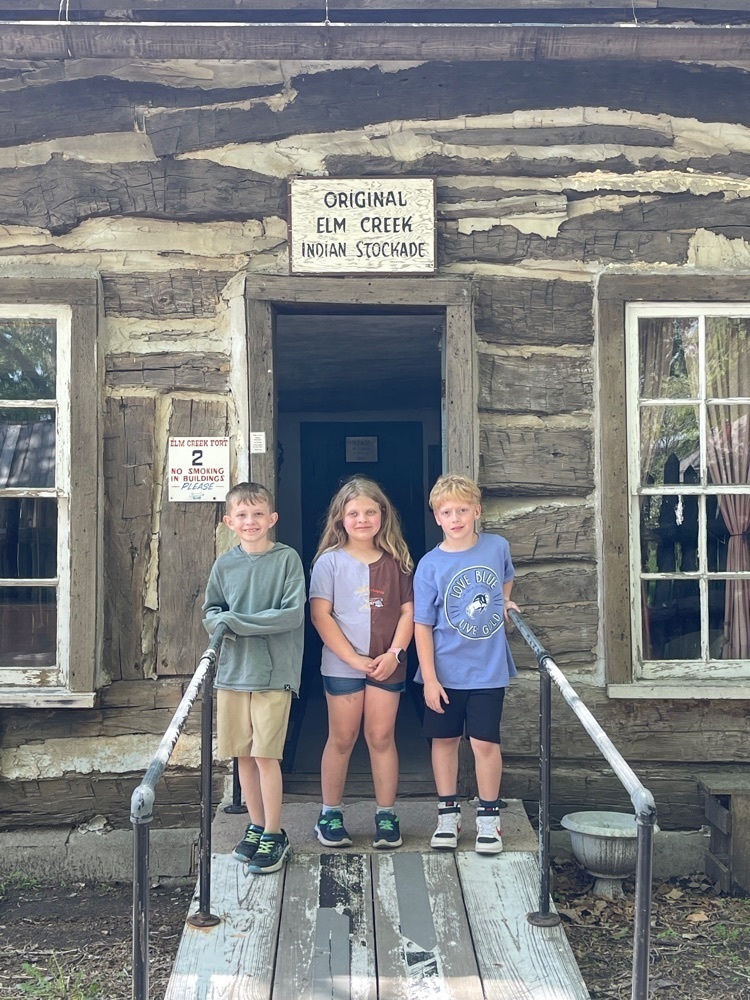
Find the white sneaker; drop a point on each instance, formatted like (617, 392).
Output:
(489, 836)
(445, 837)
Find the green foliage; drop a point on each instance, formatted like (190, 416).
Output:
(27, 359)
(57, 983)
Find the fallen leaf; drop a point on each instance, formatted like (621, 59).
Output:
(697, 917)
(674, 894)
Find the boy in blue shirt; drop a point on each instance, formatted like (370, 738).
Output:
(461, 601)
(257, 589)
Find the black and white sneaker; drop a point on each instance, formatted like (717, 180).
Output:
(489, 836)
(445, 837)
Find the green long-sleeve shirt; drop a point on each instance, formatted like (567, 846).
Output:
(261, 598)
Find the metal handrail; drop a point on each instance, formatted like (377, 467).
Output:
(641, 798)
(142, 806)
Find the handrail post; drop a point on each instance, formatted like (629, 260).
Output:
(141, 814)
(204, 917)
(642, 933)
(543, 917)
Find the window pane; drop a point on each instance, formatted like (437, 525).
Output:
(27, 359)
(669, 534)
(27, 448)
(28, 538)
(728, 444)
(669, 444)
(671, 619)
(28, 626)
(667, 358)
(727, 357)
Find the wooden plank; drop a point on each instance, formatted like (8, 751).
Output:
(531, 461)
(316, 9)
(456, 42)
(543, 533)
(515, 959)
(163, 294)
(740, 844)
(176, 371)
(129, 439)
(535, 311)
(261, 370)
(326, 945)
(421, 930)
(361, 291)
(460, 432)
(233, 960)
(534, 383)
(186, 550)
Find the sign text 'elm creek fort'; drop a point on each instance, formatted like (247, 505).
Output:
(384, 224)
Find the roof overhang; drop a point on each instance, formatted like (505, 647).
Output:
(31, 40)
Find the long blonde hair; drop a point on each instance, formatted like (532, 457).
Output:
(389, 538)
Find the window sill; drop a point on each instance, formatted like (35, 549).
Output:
(677, 691)
(46, 698)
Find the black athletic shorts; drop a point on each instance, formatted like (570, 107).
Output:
(476, 712)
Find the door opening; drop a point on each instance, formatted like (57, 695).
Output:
(358, 393)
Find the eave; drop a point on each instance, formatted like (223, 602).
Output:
(28, 40)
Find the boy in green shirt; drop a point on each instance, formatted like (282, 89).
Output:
(257, 589)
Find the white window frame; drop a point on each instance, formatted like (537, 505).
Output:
(28, 677)
(706, 669)
(74, 300)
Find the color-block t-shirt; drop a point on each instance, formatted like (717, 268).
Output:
(366, 605)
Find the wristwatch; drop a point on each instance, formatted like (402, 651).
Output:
(400, 653)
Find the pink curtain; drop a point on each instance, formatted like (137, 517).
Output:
(728, 452)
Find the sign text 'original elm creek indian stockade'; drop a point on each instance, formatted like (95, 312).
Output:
(357, 226)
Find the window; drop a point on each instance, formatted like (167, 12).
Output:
(48, 530)
(688, 371)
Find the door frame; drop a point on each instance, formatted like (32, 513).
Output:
(264, 292)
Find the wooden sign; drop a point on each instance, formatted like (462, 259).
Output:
(198, 468)
(355, 226)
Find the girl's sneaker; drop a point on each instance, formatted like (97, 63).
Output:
(489, 836)
(445, 837)
(273, 851)
(331, 831)
(245, 850)
(387, 831)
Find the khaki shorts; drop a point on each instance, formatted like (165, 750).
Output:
(252, 723)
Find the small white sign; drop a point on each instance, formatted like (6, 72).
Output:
(361, 449)
(361, 225)
(198, 468)
(257, 442)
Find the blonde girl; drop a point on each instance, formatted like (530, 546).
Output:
(362, 605)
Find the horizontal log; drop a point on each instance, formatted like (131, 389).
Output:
(535, 461)
(538, 383)
(86, 723)
(558, 589)
(84, 108)
(557, 135)
(506, 245)
(75, 799)
(176, 294)
(473, 43)
(543, 534)
(204, 372)
(318, 10)
(534, 311)
(443, 90)
(61, 193)
(569, 631)
(385, 291)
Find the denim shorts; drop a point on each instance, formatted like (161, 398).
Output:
(350, 685)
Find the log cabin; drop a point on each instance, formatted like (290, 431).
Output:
(546, 285)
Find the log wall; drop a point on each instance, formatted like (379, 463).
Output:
(170, 179)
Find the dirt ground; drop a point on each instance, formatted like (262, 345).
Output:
(72, 942)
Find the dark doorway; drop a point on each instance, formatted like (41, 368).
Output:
(358, 392)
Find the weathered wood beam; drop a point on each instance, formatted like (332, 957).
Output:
(381, 42)
(173, 371)
(314, 9)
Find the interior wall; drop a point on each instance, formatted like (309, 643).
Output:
(288, 501)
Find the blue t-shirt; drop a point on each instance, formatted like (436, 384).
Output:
(460, 595)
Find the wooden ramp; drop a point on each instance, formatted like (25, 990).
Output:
(390, 926)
